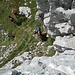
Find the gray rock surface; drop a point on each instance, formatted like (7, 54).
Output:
(43, 5)
(64, 43)
(56, 15)
(65, 28)
(73, 4)
(72, 19)
(25, 11)
(66, 4)
(56, 65)
(39, 16)
(18, 60)
(60, 24)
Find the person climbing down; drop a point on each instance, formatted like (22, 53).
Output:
(12, 19)
(38, 33)
(14, 11)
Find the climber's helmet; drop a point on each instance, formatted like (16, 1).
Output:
(37, 30)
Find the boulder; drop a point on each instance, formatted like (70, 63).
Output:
(40, 66)
(39, 17)
(58, 20)
(65, 28)
(18, 60)
(72, 18)
(14, 72)
(5, 71)
(63, 15)
(56, 65)
(73, 4)
(25, 11)
(64, 43)
(66, 4)
(43, 5)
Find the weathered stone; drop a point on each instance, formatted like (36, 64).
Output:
(65, 28)
(39, 17)
(56, 65)
(73, 19)
(15, 72)
(43, 5)
(66, 4)
(56, 17)
(64, 43)
(63, 15)
(25, 11)
(73, 4)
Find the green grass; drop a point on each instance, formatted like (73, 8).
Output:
(23, 33)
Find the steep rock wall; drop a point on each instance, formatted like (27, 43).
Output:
(58, 20)
(56, 65)
(56, 12)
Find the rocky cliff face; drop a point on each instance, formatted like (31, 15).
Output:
(58, 19)
(56, 65)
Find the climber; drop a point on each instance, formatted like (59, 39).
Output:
(11, 36)
(38, 33)
(14, 11)
(12, 19)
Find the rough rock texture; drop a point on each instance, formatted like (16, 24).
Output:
(43, 5)
(25, 11)
(56, 65)
(65, 43)
(73, 4)
(18, 60)
(40, 17)
(58, 20)
(57, 12)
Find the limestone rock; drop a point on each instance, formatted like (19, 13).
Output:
(25, 11)
(56, 16)
(39, 16)
(39, 66)
(56, 65)
(73, 4)
(63, 15)
(18, 60)
(43, 5)
(64, 43)
(66, 4)
(72, 19)
(16, 72)
(5, 72)
(65, 28)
